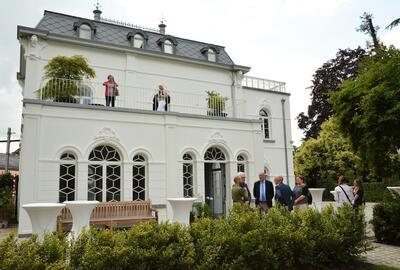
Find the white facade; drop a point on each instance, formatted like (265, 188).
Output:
(51, 129)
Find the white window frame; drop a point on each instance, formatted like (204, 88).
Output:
(211, 55)
(168, 46)
(265, 119)
(145, 164)
(189, 162)
(72, 161)
(138, 41)
(85, 31)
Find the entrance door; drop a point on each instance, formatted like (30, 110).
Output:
(215, 187)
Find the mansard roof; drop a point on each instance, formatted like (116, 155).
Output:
(66, 25)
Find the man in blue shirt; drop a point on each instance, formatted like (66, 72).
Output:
(263, 191)
(283, 193)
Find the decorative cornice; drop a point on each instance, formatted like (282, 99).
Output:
(106, 135)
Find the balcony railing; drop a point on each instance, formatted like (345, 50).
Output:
(93, 94)
(264, 84)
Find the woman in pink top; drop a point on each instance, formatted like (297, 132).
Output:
(111, 91)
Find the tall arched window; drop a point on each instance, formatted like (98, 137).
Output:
(67, 177)
(104, 174)
(138, 41)
(85, 31)
(211, 55)
(168, 46)
(188, 176)
(241, 163)
(139, 178)
(265, 126)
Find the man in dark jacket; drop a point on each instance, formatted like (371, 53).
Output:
(263, 192)
(245, 186)
(283, 193)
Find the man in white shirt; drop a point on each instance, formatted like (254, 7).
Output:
(343, 192)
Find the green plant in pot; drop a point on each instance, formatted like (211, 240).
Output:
(216, 104)
(64, 75)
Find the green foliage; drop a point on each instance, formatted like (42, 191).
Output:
(368, 111)
(201, 210)
(243, 240)
(64, 74)
(377, 191)
(33, 255)
(327, 79)
(386, 221)
(216, 103)
(321, 161)
(6, 183)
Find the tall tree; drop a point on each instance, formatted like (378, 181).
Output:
(327, 79)
(368, 27)
(323, 159)
(368, 110)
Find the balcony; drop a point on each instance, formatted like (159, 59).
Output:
(263, 84)
(92, 94)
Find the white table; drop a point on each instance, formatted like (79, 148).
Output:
(316, 194)
(181, 208)
(80, 211)
(394, 190)
(43, 217)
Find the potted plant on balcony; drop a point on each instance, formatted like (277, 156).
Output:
(64, 76)
(216, 104)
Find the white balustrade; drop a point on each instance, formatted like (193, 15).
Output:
(181, 208)
(265, 84)
(43, 217)
(316, 194)
(394, 190)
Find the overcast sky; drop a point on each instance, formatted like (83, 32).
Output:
(284, 40)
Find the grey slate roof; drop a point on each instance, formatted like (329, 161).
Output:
(63, 24)
(13, 161)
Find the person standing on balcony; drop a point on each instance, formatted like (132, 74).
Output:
(161, 100)
(111, 91)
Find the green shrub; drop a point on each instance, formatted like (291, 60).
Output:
(375, 191)
(242, 240)
(386, 221)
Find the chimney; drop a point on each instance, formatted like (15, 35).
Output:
(161, 27)
(97, 13)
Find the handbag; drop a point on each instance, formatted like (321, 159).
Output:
(116, 91)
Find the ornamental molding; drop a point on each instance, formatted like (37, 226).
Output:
(217, 138)
(106, 135)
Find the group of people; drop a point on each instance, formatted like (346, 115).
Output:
(299, 198)
(161, 99)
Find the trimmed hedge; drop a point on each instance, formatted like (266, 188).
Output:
(386, 221)
(376, 191)
(243, 240)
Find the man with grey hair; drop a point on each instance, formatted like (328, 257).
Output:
(283, 193)
(263, 192)
(244, 185)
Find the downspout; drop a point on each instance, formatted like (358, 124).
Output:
(285, 139)
(233, 93)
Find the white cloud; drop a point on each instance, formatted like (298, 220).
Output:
(392, 37)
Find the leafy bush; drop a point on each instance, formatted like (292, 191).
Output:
(386, 221)
(376, 191)
(243, 240)
(6, 183)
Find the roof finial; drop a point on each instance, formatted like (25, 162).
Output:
(97, 11)
(162, 25)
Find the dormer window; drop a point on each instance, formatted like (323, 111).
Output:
(210, 52)
(138, 41)
(138, 38)
(85, 31)
(211, 55)
(167, 44)
(168, 47)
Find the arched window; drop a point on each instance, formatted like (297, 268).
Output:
(104, 174)
(67, 177)
(211, 55)
(188, 176)
(139, 178)
(85, 95)
(85, 31)
(265, 125)
(241, 163)
(214, 153)
(138, 41)
(168, 46)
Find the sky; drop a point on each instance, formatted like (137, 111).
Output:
(284, 40)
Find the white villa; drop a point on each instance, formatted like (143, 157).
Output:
(84, 150)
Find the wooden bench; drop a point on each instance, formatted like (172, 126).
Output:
(114, 214)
